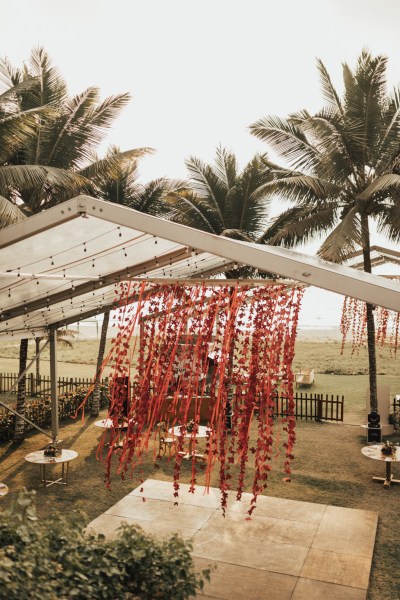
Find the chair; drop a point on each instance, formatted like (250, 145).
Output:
(164, 440)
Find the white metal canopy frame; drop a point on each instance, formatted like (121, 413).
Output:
(62, 265)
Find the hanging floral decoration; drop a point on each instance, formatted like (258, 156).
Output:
(185, 349)
(354, 322)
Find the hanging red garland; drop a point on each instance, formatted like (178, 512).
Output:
(354, 320)
(248, 334)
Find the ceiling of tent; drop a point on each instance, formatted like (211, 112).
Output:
(62, 265)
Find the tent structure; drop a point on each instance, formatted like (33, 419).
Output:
(62, 265)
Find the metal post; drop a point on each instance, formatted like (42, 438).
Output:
(53, 383)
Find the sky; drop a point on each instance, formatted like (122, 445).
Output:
(201, 72)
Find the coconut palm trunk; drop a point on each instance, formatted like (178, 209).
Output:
(373, 387)
(100, 357)
(19, 430)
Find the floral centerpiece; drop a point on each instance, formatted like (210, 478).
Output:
(388, 448)
(51, 450)
(190, 426)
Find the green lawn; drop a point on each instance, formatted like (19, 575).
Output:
(328, 466)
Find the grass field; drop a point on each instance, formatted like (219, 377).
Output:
(328, 466)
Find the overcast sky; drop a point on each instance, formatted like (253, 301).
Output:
(200, 71)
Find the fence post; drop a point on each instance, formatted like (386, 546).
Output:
(318, 416)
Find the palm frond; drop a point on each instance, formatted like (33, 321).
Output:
(9, 213)
(343, 240)
(380, 184)
(205, 183)
(288, 141)
(389, 222)
(110, 165)
(300, 224)
(190, 209)
(226, 167)
(328, 91)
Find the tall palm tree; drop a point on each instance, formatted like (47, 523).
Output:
(342, 170)
(64, 136)
(50, 160)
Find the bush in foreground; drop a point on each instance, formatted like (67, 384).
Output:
(56, 559)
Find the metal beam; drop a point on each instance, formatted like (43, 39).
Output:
(306, 269)
(53, 383)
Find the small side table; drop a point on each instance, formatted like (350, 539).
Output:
(375, 453)
(201, 432)
(109, 424)
(40, 459)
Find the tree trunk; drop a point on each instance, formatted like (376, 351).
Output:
(370, 319)
(19, 431)
(100, 357)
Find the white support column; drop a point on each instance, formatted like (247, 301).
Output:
(53, 383)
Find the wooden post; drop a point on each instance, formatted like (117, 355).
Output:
(318, 416)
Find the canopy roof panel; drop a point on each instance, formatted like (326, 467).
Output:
(62, 265)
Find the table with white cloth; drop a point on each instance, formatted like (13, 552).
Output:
(201, 432)
(375, 452)
(43, 461)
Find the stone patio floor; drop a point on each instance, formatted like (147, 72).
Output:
(289, 550)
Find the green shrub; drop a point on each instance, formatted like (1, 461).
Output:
(39, 410)
(57, 560)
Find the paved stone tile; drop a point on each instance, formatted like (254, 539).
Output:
(281, 531)
(333, 567)
(108, 525)
(287, 550)
(230, 547)
(163, 490)
(309, 589)
(280, 508)
(347, 531)
(233, 582)
(189, 517)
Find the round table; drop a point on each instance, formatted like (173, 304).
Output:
(375, 453)
(201, 432)
(3, 490)
(109, 424)
(40, 459)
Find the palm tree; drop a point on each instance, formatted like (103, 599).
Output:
(48, 156)
(342, 170)
(225, 201)
(64, 136)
